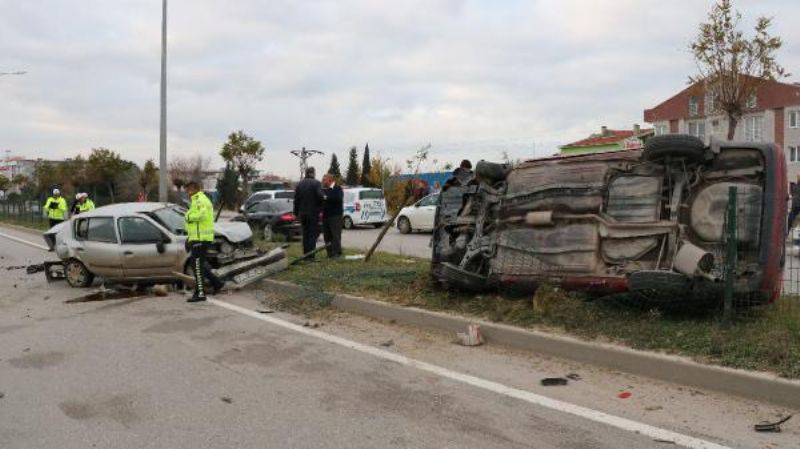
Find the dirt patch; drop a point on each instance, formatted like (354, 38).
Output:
(38, 360)
(180, 325)
(118, 408)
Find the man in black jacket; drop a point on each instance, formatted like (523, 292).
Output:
(308, 198)
(332, 211)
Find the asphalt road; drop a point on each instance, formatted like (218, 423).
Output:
(158, 372)
(415, 244)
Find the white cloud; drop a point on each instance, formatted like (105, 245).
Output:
(473, 78)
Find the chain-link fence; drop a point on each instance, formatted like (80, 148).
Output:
(26, 213)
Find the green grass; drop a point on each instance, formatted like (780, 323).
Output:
(25, 221)
(765, 338)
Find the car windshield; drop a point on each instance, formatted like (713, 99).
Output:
(171, 218)
(289, 194)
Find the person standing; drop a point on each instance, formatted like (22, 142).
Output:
(55, 208)
(308, 199)
(332, 213)
(200, 230)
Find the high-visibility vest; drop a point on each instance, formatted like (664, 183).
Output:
(86, 206)
(58, 212)
(200, 219)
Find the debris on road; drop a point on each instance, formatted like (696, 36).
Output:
(226, 400)
(354, 257)
(472, 337)
(659, 440)
(161, 290)
(765, 426)
(573, 376)
(553, 381)
(653, 408)
(625, 395)
(387, 343)
(265, 311)
(2, 395)
(35, 268)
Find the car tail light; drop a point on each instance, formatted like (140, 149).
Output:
(358, 206)
(287, 217)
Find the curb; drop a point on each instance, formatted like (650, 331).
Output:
(675, 369)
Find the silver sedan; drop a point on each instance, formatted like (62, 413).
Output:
(138, 243)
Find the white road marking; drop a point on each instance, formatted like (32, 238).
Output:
(653, 432)
(656, 433)
(24, 242)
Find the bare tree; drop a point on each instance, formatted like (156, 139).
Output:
(732, 65)
(184, 169)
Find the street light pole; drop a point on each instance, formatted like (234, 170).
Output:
(162, 165)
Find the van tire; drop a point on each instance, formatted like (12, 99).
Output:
(675, 146)
(347, 222)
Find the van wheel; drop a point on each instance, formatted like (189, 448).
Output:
(348, 223)
(404, 225)
(676, 146)
(77, 274)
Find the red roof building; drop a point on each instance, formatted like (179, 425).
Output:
(772, 115)
(608, 140)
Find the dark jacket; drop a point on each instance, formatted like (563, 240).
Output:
(308, 197)
(334, 202)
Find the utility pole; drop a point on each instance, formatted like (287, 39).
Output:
(303, 155)
(162, 161)
(12, 73)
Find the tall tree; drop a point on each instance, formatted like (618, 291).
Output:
(366, 168)
(183, 169)
(148, 177)
(335, 170)
(45, 178)
(244, 152)
(228, 186)
(731, 65)
(104, 166)
(5, 183)
(352, 168)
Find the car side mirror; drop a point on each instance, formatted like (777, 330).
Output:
(160, 247)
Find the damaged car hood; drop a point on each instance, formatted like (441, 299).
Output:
(234, 232)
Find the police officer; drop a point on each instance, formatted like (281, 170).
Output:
(200, 231)
(55, 208)
(83, 203)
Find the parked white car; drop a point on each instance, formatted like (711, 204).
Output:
(364, 206)
(419, 216)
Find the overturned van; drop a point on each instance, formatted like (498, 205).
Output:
(637, 220)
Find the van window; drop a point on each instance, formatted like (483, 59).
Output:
(284, 195)
(96, 229)
(349, 197)
(370, 194)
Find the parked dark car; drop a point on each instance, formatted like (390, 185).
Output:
(271, 218)
(650, 220)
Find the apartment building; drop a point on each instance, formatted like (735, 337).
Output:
(771, 115)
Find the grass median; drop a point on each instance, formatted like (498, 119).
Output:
(763, 339)
(25, 221)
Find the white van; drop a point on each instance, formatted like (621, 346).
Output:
(364, 206)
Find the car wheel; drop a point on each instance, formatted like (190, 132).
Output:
(676, 146)
(268, 233)
(348, 223)
(404, 225)
(77, 274)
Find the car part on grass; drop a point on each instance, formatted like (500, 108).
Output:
(309, 254)
(618, 221)
(771, 426)
(246, 272)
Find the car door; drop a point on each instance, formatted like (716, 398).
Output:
(96, 245)
(425, 213)
(147, 251)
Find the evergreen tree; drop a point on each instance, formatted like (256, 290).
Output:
(228, 186)
(334, 169)
(352, 168)
(366, 168)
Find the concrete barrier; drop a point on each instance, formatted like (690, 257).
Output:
(669, 368)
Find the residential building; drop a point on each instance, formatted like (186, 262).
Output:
(772, 115)
(13, 166)
(608, 140)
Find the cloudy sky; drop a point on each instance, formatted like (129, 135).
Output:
(473, 78)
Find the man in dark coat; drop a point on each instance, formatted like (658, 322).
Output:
(332, 212)
(308, 199)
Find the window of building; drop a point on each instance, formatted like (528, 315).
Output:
(661, 129)
(754, 128)
(698, 129)
(794, 119)
(711, 103)
(752, 101)
(793, 154)
(715, 126)
(694, 107)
